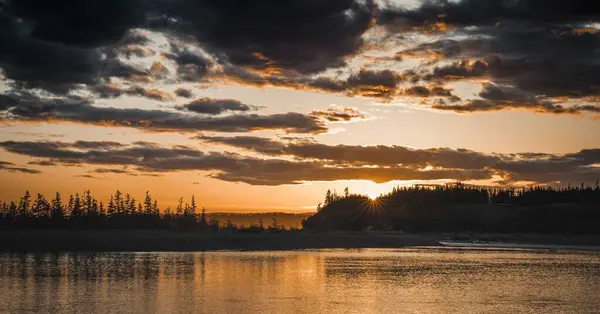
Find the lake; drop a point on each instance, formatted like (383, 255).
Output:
(415, 280)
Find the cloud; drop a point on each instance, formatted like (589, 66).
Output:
(374, 83)
(490, 12)
(379, 155)
(367, 83)
(111, 170)
(536, 167)
(228, 166)
(496, 98)
(191, 66)
(216, 106)
(184, 93)
(150, 93)
(42, 163)
(87, 176)
(423, 91)
(547, 49)
(320, 162)
(309, 37)
(73, 44)
(30, 108)
(337, 114)
(9, 166)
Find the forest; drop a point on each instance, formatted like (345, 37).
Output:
(455, 207)
(459, 207)
(123, 211)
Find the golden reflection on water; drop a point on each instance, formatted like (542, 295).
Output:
(330, 281)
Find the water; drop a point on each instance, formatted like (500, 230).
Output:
(324, 281)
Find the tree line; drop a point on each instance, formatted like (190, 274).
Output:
(462, 207)
(120, 211)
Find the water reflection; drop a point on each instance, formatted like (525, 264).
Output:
(336, 281)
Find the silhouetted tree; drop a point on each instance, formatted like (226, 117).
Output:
(203, 222)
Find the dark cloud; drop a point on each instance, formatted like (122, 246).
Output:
(191, 66)
(104, 145)
(136, 153)
(150, 93)
(111, 170)
(59, 46)
(367, 83)
(423, 91)
(490, 12)
(229, 167)
(544, 50)
(87, 176)
(44, 163)
(337, 114)
(9, 166)
(362, 155)
(310, 36)
(319, 162)
(111, 90)
(374, 83)
(108, 90)
(33, 109)
(216, 106)
(496, 98)
(536, 167)
(185, 93)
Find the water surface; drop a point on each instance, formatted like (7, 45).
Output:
(442, 280)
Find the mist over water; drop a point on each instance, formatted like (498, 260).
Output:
(432, 280)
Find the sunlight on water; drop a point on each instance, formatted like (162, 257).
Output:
(330, 281)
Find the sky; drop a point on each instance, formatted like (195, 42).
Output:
(265, 105)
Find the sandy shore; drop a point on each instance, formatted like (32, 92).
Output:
(59, 240)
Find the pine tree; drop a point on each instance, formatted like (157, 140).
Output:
(76, 210)
(57, 208)
(328, 198)
(69, 209)
(87, 203)
(155, 209)
(179, 209)
(94, 209)
(193, 206)
(148, 204)
(203, 222)
(39, 206)
(24, 205)
(131, 210)
(110, 209)
(127, 205)
(119, 205)
(13, 210)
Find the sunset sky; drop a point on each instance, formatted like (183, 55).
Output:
(264, 105)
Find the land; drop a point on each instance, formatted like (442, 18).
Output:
(185, 241)
(148, 240)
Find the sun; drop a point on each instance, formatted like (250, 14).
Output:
(372, 195)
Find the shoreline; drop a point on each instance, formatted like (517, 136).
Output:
(189, 241)
(181, 241)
